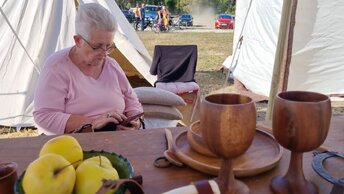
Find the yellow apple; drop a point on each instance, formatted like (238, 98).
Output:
(50, 174)
(102, 160)
(90, 173)
(66, 146)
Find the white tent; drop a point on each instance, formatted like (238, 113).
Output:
(30, 31)
(317, 60)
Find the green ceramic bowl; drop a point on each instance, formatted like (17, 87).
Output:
(120, 163)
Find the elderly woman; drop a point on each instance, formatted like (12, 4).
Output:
(82, 85)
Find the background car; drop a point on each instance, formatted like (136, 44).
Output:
(129, 15)
(185, 20)
(224, 21)
(151, 12)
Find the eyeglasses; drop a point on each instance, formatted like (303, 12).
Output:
(98, 49)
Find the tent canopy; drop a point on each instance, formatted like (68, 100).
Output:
(34, 29)
(317, 47)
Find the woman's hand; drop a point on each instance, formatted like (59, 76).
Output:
(108, 117)
(134, 124)
(117, 118)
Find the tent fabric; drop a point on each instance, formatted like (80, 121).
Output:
(317, 59)
(42, 27)
(34, 29)
(255, 63)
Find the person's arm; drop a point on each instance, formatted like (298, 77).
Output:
(51, 92)
(140, 13)
(76, 121)
(132, 104)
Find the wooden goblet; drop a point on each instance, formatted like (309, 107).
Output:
(228, 123)
(300, 123)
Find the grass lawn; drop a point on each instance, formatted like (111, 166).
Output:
(213, 48)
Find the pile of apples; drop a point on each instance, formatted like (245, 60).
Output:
(60, 168)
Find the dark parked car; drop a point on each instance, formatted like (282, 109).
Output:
(185, 20)
(128, 14)
(224, 21)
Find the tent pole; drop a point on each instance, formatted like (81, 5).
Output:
(280, 73)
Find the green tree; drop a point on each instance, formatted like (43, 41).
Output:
(183, 5)
(125, 4)
(171, 5)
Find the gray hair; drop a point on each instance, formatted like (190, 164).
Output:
(92, 16)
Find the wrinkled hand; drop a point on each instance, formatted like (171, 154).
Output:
(111, 116)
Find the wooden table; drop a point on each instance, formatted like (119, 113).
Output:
(142, 147)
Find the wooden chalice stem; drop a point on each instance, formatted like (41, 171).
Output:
(227, 183)
(294, 181)
(295, 170)
(226, 176)
(295, 175)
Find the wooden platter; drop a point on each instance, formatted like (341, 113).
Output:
(262, 155)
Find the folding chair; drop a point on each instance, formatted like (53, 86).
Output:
(175, 67)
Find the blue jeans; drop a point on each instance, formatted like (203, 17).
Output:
(143, 24)
(137, 20)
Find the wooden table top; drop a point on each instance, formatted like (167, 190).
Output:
(142, 147)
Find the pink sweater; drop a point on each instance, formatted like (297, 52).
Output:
(63, 90)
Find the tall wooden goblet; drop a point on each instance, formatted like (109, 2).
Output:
(228, 123)
(300, 123)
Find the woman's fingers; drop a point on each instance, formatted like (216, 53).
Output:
(117, 118)
(100, 122)
(116, 115)
(135, 124)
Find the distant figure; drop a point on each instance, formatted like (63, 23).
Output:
(137, 15)
(142, 16)
(165, 15)
(160, 16)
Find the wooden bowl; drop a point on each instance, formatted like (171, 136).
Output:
(195, 140)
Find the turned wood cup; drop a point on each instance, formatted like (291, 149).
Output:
(8, 177)
(228, 123)
(300, 124)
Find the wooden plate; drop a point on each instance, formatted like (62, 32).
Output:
(262, 155)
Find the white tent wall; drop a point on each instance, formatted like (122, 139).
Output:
(317, 62)
(317, 59)
(260, 34)
(42, 27)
